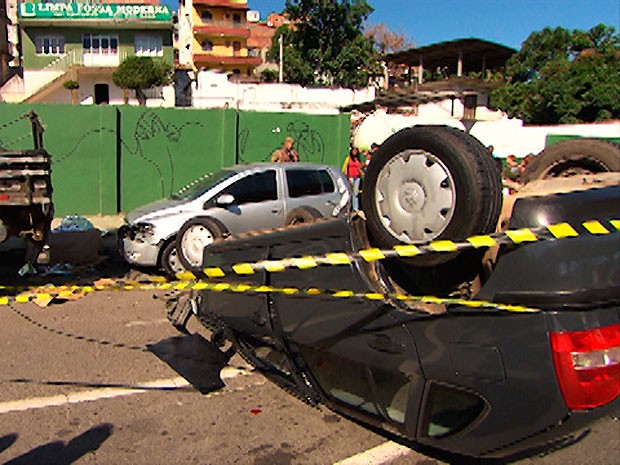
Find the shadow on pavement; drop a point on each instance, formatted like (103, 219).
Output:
(60, 453)
(86, 384)
(7, 441)
(107, 263)
(195, 359)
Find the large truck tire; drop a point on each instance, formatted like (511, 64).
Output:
(429, 183)
(573, 157)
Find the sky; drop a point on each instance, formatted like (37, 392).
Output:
(507, 22)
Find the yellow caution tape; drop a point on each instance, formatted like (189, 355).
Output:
(511, 237)
(188, 281)
(53, 292)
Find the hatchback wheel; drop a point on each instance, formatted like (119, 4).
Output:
(302, 215)
(193, 237)
(170, 262)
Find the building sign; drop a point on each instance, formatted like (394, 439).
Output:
(94, 11)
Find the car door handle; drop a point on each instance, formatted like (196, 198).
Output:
(275, 211)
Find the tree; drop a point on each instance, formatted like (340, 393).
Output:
(562, 76)
(141, 73)
(73, 86)
(387, 41)
(325, 44)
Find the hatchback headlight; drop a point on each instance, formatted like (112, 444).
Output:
(146, 229)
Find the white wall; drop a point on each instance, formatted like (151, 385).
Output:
(214, 90)
(511, 136)
(86, 92)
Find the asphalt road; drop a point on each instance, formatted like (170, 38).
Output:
(98, 381)
(105, 379)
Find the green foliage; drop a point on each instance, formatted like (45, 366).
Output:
(140, 73)
(71, 84)
(562, 76)
(269, 75)
(325, 44)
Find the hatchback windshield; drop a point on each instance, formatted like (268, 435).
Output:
(202, 185)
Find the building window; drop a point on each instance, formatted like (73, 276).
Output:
(236, 48)
(148, 45)
(206, 16)
(102, 44)
(50, 45)
(237, 20)
(207, 45)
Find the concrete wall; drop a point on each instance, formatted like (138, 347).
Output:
(214, 90)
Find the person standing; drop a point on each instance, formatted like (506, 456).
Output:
(286, 153)
(512, 170)
(371, 153)
(353, 169)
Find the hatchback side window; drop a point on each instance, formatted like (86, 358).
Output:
(303, 182)
(327, 183)
(257, 187)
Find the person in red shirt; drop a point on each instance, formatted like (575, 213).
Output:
(354, 169)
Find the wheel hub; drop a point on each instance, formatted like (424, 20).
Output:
(194, 241)
(415, 196)
(412, 197)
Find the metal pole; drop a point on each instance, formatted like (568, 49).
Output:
(281, 74)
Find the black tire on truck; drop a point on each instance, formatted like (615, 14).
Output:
(430, 183)
(573, 157)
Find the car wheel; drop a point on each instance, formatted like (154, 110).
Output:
(170, 262)
(428, 183)
(302, 215)
(193, 237)
(574, 157)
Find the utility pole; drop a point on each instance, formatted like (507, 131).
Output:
(281, 74)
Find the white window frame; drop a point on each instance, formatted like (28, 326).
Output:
(50, 44)
(150, 45)
(100, 50)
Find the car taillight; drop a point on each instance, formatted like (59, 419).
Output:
(587, 364)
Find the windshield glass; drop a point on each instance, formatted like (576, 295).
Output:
(198, 187)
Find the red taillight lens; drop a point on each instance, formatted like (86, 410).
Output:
(587, 364)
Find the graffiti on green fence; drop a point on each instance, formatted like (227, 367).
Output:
(108, 159)
(148, 127)
(308, 142)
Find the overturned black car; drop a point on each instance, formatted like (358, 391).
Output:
(518, 346)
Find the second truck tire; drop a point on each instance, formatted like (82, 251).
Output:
(574, 156)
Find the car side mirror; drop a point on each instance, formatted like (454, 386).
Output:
(225, 200)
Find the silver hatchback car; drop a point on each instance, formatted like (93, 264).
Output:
(172, 233)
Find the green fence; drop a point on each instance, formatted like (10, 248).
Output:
(108, 159)
(555, 138)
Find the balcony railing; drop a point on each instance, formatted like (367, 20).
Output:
(221, 28)
(235, 4)
(209, 59)
(80, 58)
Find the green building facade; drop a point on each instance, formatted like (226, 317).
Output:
(85, 42)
